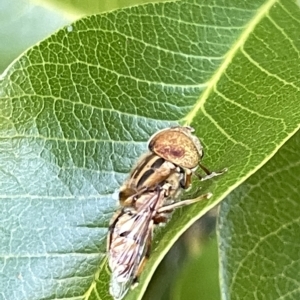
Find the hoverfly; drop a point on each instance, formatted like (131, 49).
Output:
(147, 198)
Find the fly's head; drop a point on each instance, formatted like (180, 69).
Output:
(177, 145)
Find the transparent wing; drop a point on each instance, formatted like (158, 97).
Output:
(127, 249)
(129, 239)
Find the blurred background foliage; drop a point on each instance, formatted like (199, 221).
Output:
(190, 269)
(24, 23)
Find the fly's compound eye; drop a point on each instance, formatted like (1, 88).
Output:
(177, 145)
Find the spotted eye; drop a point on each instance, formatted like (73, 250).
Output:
(177, 145)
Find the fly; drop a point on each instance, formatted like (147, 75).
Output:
(147, 198)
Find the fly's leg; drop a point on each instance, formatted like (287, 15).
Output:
(173, 206)
(186, 181)
(209, 174)
(145, 258)
(161, 218)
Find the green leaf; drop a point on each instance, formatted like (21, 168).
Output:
(77, 109)
(260, 231)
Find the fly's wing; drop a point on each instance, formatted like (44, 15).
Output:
(127, 249)
(128, 242)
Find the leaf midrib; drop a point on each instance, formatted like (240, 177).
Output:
(249, 28)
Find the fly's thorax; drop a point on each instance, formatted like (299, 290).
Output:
(177, 145)
(149, 173)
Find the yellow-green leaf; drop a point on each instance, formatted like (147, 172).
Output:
(77, 109)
